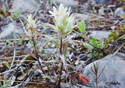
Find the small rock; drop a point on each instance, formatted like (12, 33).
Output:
(99, 34)
(82, 16)
(99, 2)
(70, 3)
(10, 31)
(50, 51)
(48, 31)
(25, 5)
(102, 2)
(113, 75)
(119, 12)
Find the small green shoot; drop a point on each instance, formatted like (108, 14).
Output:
(42, 52)
(82, 26)
(4, 8)
(7, 64)
(95, 43)
(20, 41)
(17, 13)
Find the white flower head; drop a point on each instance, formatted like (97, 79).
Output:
(31, 23)
(62, 19)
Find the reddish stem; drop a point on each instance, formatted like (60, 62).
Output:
(37, 55)
(61, 67)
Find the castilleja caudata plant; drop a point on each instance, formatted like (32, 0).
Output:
(64, 23)
(31, 34)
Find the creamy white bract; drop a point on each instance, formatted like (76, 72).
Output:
(64, 22)
(31, 25)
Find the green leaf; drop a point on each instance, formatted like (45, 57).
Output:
(9, 83)
(8, 41)
(4, 8)
(56, 43)
(42, 51)
(96, 53)
(20, 42)
(82, 26)
(90, 55)
(101, 54)
(84, 36)
(87, 46)
(101, 11)
(101, 46)
(94, 42)
(46, 76)
(22, 70)
(7, 64)
(1, 16)
(113, 35)
(4, 84)
(48, 68)
(31, 43)
(106, 41)
(18, 13)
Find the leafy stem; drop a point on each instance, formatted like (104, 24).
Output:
(32, 27)
(36, 54)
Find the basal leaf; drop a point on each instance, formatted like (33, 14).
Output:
(82, 26)
(94, 42)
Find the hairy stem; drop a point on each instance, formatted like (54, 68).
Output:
(37, 55)
(61, 67)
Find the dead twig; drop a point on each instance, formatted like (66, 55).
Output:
(21, 62)
(118, 49)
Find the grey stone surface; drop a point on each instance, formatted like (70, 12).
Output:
(10, 31)
(113, 75)
(25, 5)
(67, 3)
(102, 2)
